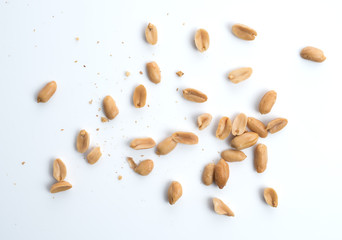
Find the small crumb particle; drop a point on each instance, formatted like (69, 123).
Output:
(167, 14)
(142, 155)
(127, 74)
(148, 105)
(22, 163)
(97, 115)
(183, 23)
(122, 42)
(104, 119)
(75, 61)
(34, 30)
(84, 66)
(184, 118)
(97, 129)
(62, 129)
(53, 16)
(110, 55)
(147, 126)
(91, 101)
(141, 72)
(177, 89)
(129, 57)
(14, 184)
(99, 109)
(108, 155)
(119, 177)
(202, 149)
(136, 121)
(77, 38)
(180, 73)
(97, 42)
(176, 101)
(98, 73)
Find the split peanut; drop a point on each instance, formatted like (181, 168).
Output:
(221, 208)
(240, 74)
(139, 96)
(260, 158)
(47, 92)
(208, 174)
(204, 120)
(59, 170)
(166, 146)
(175, 192)
(142, 143)
(239, 124)
(144, 168)
(245, 140)
(185, 138)
(94, 155)
(202, 40)
(82, 142)
(276, 125)
(257, 126)
(313, 54)
(153, 72)
(151, 34)
(110, 108)
(194, 95)
(271, 197)
(231, 155)
(244, 32)
(60, 186)
(224, 128)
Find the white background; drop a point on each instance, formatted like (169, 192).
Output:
(37, 45)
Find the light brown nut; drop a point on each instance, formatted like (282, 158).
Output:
(271, 197)
(276, 125)
(240, 74)
(153, 72)
(94, 155)
(47, 91)
(208, 174)
(60, 186)
(202, 40)
(151, 34)
(143, 168)
(245, 140)
(142, 143)
(221, 173)
(59, 170)
(110, 108)
(221, 208)
(204, 120)
(224, 128)
(267, 102)
(313, 54)
(82, 142)
(260, 158)
(231, 155)
(139, 96)
(194, 95)
(244, 32)
(179, 73)
(257, 126)
(175, 192)
(239, 124)
(166, 146)
(185, 138)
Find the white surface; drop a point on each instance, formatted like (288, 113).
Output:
(304, 161)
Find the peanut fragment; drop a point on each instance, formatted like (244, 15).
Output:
(239, 124)
(185, 138)
(175, 192)
(110, 108)
(257, 126)
(267, 102)
(179, 73)
(139, 96)
(260, 158)
(276, 125)
(151, 34)
(271, 197)
(82, 142)
(208, 174)
(166, 146)
(153, 72)
(245, 140)
(244, 32)
(240, 74)
(142, 143)
(231, 155)
(59, 170)
(194, 95)
(144, 168)
(204, 120)
(60, 186)
(313, 54)
(202, 40)
(94, 155)
(221, 173)
(47, 92)
(221, 208)
(224, 128)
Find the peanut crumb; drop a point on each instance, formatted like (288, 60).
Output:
(202, 149)
(127, 74)
(14, 184)
(142, 155)
(110, 55)
(177, 89)
(22, 163)
(98, 73)
(119, 177)
(183, 23)
(148, 105)
(99, 109)
(180, 73)
(97, 129)
(141, 72)
(108, 155)
(104, 119)
(34, 30)
(122, 42)
(84, 66)
(75, 61)
(136, 121)
(62, 129)
(184, 118)
(77, 38)
(97, 42)
(97, 115)
(91, 101)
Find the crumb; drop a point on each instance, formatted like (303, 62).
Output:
(91, 101)
(14, 184)
(180, 73)
(22, 163)
(108, 155)
(62, 129)
(110, 55)
(53, 16)
(104, 119)
(75, 61)
(84, 66)
(77, 38)
(183, 23)
(98, 73)
(147, 126)
(97, 115)
(141, 72)
(97, 42)
(53, 197)
(184, 118)
(127, 74)
(122, 42)
(148, 105)
(34, 30)
(99, 109)
(136, 121)
(35, 46)
(167, 14)
(177, 89)
(142, 155)
(202, 149)
(119, 177)
(129, 57)
(176, 101)
(97, 129)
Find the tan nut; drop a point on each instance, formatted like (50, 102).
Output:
(260, 158)
(59, 170)
(47, 92)
(244, 32)
(185, 138)
(221, 208)
(144, 168)
(231, 155)
(271, 197)
(313, 54)
(94, 155)
(240, 74)
(224, 128)
(202, 40)
(257, 126)
(221, 173)
(267, 102)
(142, 143)
(194, 95)
(208, 174)
(166, 146)
(153, 72)
(239, 124)
(175, 192)
(204, 120)
(82, 142)
(60, 186)
(151, 34)
(110, 108)
(245, 140)
(139, 96)
(276, 125)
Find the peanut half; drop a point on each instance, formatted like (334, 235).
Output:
(239, 124)
(240, 74)
(47, 92)
(139, 96)
(224, 128)
(231, 155)
(260, 158)
(60, 186)
(94, 155)
(271, 197)
(313, 54)
(221, 173)
(208, 174)
(142, 143)
(243, 32)
(221, 208)
(110, 108)
(59, 170)
(276, 125)
(267, 102)
(245, 140)
(185, 138)
(153, 72)
(82, 142)
(151, 34)
(194, 95)
(257, 126)
(166, 146)
(144, 168)
(202, 40)
(175, 192)
(204, 120)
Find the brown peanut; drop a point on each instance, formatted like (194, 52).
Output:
(267, 102)
(224, 128)
(221, 208)
(260, 158)
(47, 92)
(245, 140)
(239, 124)
(313, 54)
(204, 120)
(185, 138)
(231, 155)
(59, 170)
(82, 142)
(240, 74)
(151, 34)
(166, 146)
(144, 168)
(257, 126)
(60, 186)
(139, 96)
(271, 197)
(202, 40)
(142, 143)
(175, 192)
(110, 108)
(244, 32)
(194, 95)
(153, 72)
(94, 155)
(208, 174)
(221, 173)
(276, 125)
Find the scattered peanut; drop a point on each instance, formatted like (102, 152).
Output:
(110, 108)
(240, 74)
(175, 192)
(244, 32)
(82, 142)
(47, 92)
(60, 186)
(204, 120)
(231, 155)
(260, 158)
(142, 143)
(139, 96)
(224, 128)
(267, 102)
(153, 72)
(245, 140)
(221, 208)
(257, 126)
(313, 54)
(239, 124)
(185, 138)
(271, 197)
(221, 173)
(276, 125)
(144, 168)
(166, 146)
(202, 40)
(59, 170)
(194, 95)
(208, 174)
(151, 34)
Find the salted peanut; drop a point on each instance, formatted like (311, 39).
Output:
(243, 32)
(257, 126)
(166, 146)
(104, 119)
(245, 140)
(175, 192)
(204, 120)
(276, 125)
(139, 96)
(208, 174)
(59, 170)
(221, 173)
(313, 54)
(179, 73)
(202, 40)
(271, 197)
(267, 102)
(47, 92)
(142, 143)
(151, 34)
(60, 186)
(221, 208)
(153, 72)
(240, 74)
(143, 168)
(185, 138)
(194, 95)
(224, 128)
(260, 158)
(110, 108)
(231, 155)
(82, 142)
(239, 124)
(94, 155)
